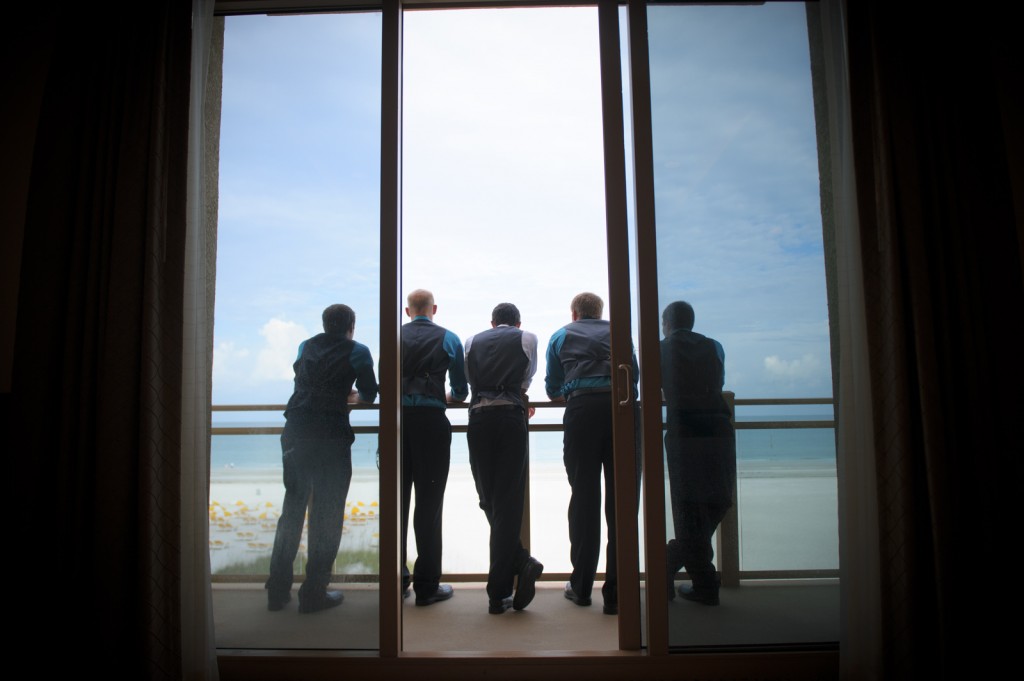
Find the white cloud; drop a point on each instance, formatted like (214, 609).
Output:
(226, 358)
(792, 369)
(282, 343)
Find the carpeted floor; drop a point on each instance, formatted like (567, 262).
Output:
(749, 615)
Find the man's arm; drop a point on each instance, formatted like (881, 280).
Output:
(366, 380)
(469, 348)
(530, 349)
(721, 356)
(555, 373)
(456, 368)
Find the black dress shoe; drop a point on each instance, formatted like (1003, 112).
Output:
(705, 596)
(276, 601)
(611, 608)
(526, 589)
(443, 593)
(572, 596)
(499, 606)
(329, 599)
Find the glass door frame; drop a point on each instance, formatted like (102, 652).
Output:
(620, 279)
(617, 230)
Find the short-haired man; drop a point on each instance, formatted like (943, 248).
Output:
(500, 363)
(316, 448)
(429, 352)
(700, 450)
(579, 372)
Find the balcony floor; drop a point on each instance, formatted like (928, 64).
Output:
(752, 614)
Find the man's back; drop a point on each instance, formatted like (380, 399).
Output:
(424, 359)
(497, 365)
(693, 372)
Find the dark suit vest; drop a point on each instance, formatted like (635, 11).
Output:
(424, 359)
(497, 363)
(692, 373)
(587, 350)
(323, 380)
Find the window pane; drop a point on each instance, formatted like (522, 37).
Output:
(740, 240)
(298, 231)
(503, 201)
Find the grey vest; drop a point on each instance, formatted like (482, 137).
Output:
(497, 363)
(587, 349)
(424, 360)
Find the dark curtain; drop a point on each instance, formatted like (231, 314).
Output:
(98, 353)
(936, 97)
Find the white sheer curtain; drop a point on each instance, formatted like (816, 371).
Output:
(199, 660)
(860, 600)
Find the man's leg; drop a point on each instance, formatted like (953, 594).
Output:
(610, 588)
(497, 443)
(332, 474)
(297, 489)
(699, 524)
(582, 457)
(674, 550)
(409, 455)
(430, 477)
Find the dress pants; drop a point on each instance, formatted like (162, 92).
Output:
(498, 453)
(587, 451)
(426, 456)
(317, 473)
(700, 454)
(695, 525)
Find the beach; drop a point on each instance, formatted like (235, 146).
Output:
(787, 510)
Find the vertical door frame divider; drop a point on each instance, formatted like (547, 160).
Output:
(389, 441)
(617, 226)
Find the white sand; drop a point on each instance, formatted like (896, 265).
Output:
(788, 517)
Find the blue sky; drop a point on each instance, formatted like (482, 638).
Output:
(503, 182)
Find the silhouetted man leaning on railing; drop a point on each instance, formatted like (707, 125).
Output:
(701, 450)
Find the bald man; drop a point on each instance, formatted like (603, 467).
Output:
(429, 352)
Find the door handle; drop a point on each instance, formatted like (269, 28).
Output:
(629, 384)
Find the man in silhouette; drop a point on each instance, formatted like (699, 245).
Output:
(316, 448)
(700, 448)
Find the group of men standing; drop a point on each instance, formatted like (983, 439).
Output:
(498, 364)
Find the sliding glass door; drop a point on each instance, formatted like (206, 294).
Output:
(651, 154)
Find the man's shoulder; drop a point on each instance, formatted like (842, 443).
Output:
(593, 328)
(558, 335)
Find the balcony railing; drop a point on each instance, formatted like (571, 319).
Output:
(728, 548)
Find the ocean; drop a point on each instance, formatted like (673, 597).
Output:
(777, 446)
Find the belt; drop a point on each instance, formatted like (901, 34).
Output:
(587, 391)
(497, 407)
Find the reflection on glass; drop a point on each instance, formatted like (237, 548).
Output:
(739, 237)
(297, 233)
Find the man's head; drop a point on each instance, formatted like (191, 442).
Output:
(677, 315)
(421, 303)
(339, 320)
(505, 313)
(586, 306)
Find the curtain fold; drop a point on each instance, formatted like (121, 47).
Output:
(199, 660)
(97, 380)
(860, 587)
(941, 261)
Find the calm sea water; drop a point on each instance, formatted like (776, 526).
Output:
(783, 445)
